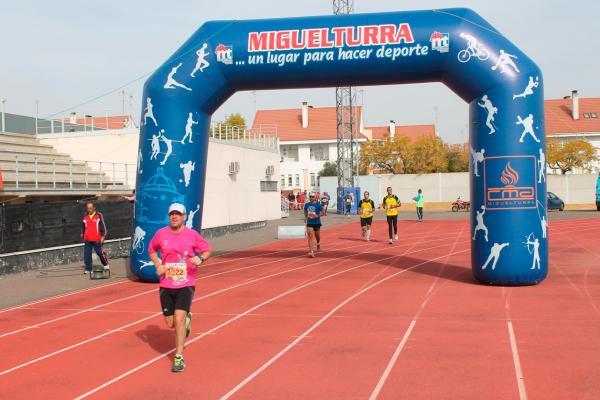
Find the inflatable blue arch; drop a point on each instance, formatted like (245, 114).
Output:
(457, 47)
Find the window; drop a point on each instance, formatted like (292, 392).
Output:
(268, 186)
(319, 152)
(290, 180)
(289, 153)
(297, 180)
(313, 180)
(282, 180)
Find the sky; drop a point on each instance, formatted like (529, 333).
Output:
(80, 55)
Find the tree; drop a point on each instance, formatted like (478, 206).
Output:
(458, 158)
(570, 154)
(329, 169)
(428, 155)
(235, 120)
(389, 156)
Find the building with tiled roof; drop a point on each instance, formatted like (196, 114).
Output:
(307, 140)
(413, 132)
(574, 118)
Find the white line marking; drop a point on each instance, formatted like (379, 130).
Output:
(388, 368)
(160, 313)
(76, 313)
(151, 361)
(81, 311)
(319, 322)
(400, 347)
(63, 295)
(515, 353)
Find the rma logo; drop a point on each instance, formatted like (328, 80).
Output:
(509, 182)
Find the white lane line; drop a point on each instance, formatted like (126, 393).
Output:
(202, 297)
(517, 362)
(157, 314)
(81, 311)
(76, 313)
(123, 280)
(319, 322)
(250, 310)
(388, 369)
(60, 296)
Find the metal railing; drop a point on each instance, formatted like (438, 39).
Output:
(32, 173)
(80, 125)
(264, 136)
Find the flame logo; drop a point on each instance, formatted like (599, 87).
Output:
(509, 176)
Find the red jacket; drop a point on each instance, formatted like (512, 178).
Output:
(93, 228)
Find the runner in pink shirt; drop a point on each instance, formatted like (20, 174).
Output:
(182, 250)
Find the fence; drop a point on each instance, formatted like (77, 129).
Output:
(46, 173)
(264, 136)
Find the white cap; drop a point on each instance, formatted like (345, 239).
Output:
(177, 207)
(311, 194)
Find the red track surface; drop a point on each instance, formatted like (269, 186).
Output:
(366, 320)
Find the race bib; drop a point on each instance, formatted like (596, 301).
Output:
(177, 272)
(367, 210)
(312, 212)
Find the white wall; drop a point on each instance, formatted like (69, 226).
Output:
(446, 187)
(228, 200)
(107, 148)
(237, 199)
(304, 166)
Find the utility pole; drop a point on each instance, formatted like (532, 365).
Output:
(345, 103)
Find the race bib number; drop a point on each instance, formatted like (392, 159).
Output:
(177, 272)
(312, 212)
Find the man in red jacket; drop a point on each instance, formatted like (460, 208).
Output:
(93, 232)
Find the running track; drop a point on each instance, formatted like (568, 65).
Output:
(363, 321)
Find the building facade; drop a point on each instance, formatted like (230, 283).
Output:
(573, 118)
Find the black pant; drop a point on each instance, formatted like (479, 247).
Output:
(392, 220)
(348, 208)
(87, 254)
(420, 213)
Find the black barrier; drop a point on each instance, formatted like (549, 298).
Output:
(41, 225)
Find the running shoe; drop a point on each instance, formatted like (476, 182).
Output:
(106, 267)
(86, 272)
(391, 241)
(395, 237)
(318, 246)
(188, 324)
(311, 254)
(178, 364)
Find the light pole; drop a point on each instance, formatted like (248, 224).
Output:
(3, 115)
(37, 114)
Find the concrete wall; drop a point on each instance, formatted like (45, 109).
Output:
(574, 188)
(237, 199)
(111, 147)
(444, 188)
(228, 200)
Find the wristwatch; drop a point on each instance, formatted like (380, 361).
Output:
(202, 258)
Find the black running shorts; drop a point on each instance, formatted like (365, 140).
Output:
(176, 299)
(366, 221)
(316, 227)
